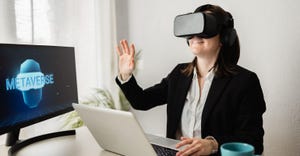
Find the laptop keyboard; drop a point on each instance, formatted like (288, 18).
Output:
(163, 151)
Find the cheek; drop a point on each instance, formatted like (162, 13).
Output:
(215, 46)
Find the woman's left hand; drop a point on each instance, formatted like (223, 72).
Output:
(194, 147)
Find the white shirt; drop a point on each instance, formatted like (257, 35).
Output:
(193, 106)
(124, 81)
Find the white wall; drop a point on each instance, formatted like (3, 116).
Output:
(269, 33)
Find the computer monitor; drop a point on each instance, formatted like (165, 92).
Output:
(37, 82)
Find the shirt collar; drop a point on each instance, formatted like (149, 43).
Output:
(210, 75)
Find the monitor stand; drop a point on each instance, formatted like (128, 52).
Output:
(12, 139)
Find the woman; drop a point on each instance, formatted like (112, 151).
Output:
(210, 100)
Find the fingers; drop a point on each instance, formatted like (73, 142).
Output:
(194, 148)
(132, 50)
(118, 50)
(184, 138)
(191, 149)
(122, 46)
(125, 49)
(196, 153)
(125, 46)
(184, 141)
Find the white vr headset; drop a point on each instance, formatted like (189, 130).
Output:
(205, 25)
(200, 24)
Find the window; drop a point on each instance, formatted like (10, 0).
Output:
(33, 20)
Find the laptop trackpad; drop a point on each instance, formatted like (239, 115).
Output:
(164, 142)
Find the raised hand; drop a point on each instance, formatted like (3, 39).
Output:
(126, 59)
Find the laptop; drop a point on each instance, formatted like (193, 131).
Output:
(119, 132)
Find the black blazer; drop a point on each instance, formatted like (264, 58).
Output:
(232, 112)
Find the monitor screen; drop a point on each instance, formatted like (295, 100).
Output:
(36, 83)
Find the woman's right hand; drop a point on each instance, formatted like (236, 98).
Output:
(126, 59)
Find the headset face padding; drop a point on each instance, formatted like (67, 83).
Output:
(205, 25)
(227, 37)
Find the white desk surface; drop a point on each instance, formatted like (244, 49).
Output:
(81, 144)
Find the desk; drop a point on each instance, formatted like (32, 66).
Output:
(81, 144)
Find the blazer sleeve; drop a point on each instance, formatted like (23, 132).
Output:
(250, 115)
(248, 122)
(144, 99)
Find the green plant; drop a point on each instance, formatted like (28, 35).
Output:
(99, 98)
(124, 103)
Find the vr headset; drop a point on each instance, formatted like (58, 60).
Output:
(196, 24)
(205, 25)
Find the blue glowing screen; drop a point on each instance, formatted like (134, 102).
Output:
(36, 83)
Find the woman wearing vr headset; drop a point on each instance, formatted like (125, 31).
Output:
(211, 100)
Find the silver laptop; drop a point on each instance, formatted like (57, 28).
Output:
(119, 132)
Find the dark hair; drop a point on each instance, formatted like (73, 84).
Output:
(229, 53)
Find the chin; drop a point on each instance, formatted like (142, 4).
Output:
(196, 51)
(196, 54)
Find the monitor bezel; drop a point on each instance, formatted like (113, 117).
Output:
(7, 129)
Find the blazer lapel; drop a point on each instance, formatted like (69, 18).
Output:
(216, 90)
(183, 90)
(183, 87)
